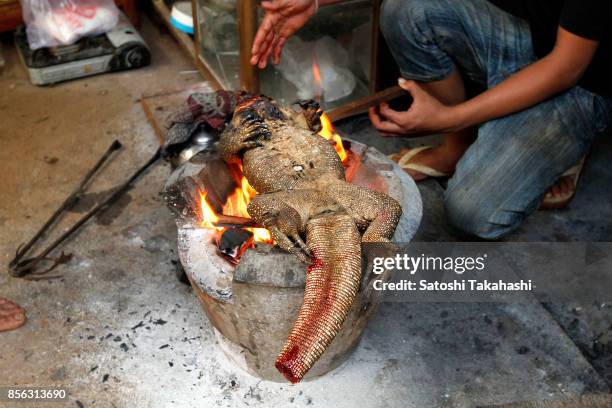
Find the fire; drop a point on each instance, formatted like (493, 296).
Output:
(208, 215)
(237, 203)
(327, 130)
(317, 82)
(329, 133)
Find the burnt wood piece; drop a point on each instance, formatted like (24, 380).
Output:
(232, 221)
(204, 173)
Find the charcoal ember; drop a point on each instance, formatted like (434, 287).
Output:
(234, 242)
(205, 172)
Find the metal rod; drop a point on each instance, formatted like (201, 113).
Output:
(68, 203)
(21, 270)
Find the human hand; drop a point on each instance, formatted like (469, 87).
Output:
(283, 18)
(426, 115)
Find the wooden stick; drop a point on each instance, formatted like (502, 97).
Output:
(232, 221)
(247, 28)
(362, 105)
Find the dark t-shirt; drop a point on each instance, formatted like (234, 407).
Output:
(590, 19)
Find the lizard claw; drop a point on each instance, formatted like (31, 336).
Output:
(251, 144)
(286, 243)
(283, 222)
(257, 130)
(253, 126)
(299, 254)
(301, 244)
(307, 104)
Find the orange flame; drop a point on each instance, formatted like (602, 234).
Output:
(327, 129)
(329, 133)
(237, 203)
(208, 215)
(316, 76)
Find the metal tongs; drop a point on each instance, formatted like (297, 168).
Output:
(29, 268)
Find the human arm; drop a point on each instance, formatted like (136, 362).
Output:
(561, 69)
(282, 19)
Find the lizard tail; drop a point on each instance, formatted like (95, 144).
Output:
(332, 283)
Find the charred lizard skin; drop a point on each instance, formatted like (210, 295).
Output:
(311, 212)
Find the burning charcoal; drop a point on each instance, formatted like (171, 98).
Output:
(234, 242)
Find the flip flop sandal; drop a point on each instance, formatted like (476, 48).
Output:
(403, 160)
(552, 202)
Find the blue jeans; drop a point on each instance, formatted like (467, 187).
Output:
(503, 176)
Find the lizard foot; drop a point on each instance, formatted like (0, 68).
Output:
(252, 130)
(312, 112)
(283, 222)
(249, 135)
(291, 242)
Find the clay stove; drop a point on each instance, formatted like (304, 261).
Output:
(251, 290)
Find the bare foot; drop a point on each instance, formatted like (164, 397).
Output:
(12, 315)
(561, 193)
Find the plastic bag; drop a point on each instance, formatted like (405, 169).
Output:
(51, 23)
(332, 81)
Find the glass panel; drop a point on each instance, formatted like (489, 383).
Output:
(328, 59)
(217, 21)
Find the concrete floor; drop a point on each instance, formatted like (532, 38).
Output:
(118, 330)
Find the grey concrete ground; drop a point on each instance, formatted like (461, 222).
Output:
(118, 330)
(585, 220)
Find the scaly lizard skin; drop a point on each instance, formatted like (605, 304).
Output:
(311, 212)
(303, 193)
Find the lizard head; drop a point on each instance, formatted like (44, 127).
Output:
(260, 105)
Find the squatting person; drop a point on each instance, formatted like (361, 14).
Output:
(544, 66)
